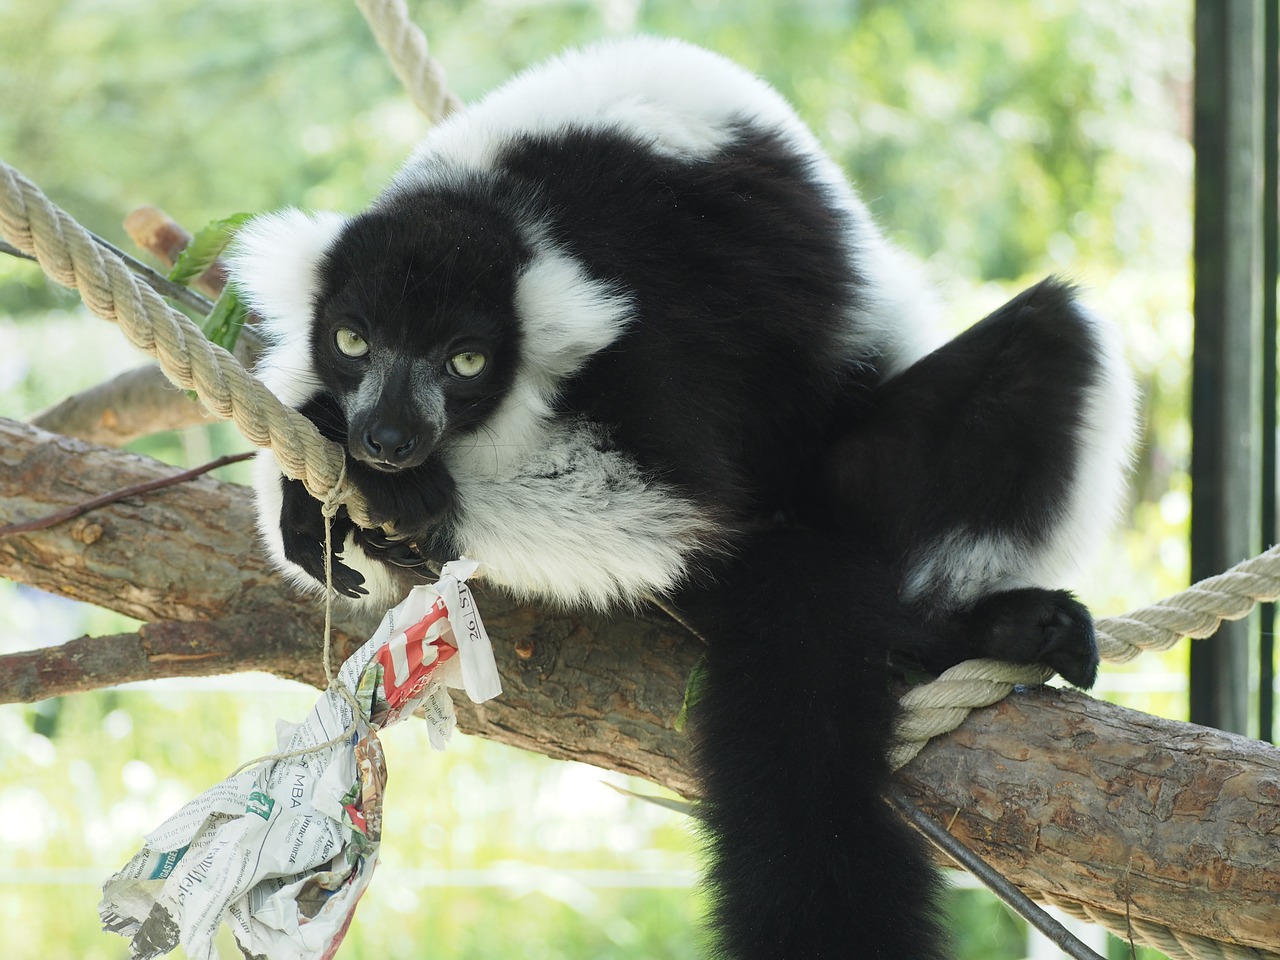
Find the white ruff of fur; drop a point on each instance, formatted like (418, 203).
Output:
(273, 265)
(552, 513)
(565, 316)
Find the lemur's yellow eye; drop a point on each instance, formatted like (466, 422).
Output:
(466, 365)
(351, 343)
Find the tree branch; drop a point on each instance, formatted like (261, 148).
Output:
(189, 553)
(136, 403)
(278, 644)
(115, 496)
(12, 251)
(1115, 809)
(1106, 807)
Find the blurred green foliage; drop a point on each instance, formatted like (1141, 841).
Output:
(489, 852)
(997, 141)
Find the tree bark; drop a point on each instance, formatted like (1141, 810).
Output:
(1115, 809)
(1085, 800)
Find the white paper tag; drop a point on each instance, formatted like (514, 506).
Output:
(479, 670)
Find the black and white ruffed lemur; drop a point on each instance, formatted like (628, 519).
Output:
(622, 330)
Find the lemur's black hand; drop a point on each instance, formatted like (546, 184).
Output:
(397, 552)
(1034, 625)
(302, 532)
(413, 500)
(1031, 625)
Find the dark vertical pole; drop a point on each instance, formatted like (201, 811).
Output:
(1270, 277)
(1226, 371)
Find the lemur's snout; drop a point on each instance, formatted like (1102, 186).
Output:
(389, 446)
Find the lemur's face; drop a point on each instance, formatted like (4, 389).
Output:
(415, 332)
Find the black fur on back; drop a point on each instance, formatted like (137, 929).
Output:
(739, 272)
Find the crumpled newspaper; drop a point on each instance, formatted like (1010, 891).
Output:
(282, 851)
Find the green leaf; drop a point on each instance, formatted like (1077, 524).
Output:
(205, 247)
(692, 692)
(224, 322)
(226, 319)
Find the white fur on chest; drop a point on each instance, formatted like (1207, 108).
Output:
(569, 520)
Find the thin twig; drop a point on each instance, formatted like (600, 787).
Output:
(137, 489)
(157, 280)
(1034, 914)
(15, 252)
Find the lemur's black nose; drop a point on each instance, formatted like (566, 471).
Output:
(389, 443)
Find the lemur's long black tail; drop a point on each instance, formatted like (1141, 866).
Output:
(806, 860)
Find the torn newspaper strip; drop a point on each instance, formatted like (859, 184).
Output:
(282, 851)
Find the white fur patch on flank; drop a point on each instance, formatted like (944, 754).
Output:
(273, 263)
(960, 566)
(1105, 437)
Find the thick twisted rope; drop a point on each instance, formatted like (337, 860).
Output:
(932, 709)
(1196, 612)
(1175, 944)
(68, 254)
(406, 48)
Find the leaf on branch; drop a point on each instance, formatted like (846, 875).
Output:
(692, 692)
(205, 247)
(226, 319)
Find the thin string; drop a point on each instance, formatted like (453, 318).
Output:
(329, 509)
(675, 615)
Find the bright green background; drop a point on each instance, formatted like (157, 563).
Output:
(998, 141)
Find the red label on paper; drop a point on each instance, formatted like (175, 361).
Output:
(404, 674)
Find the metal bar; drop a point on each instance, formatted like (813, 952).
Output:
(1226, 370)
(996, 882)
(1270, 277)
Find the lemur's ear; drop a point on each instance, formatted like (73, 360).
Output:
(273, 262)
